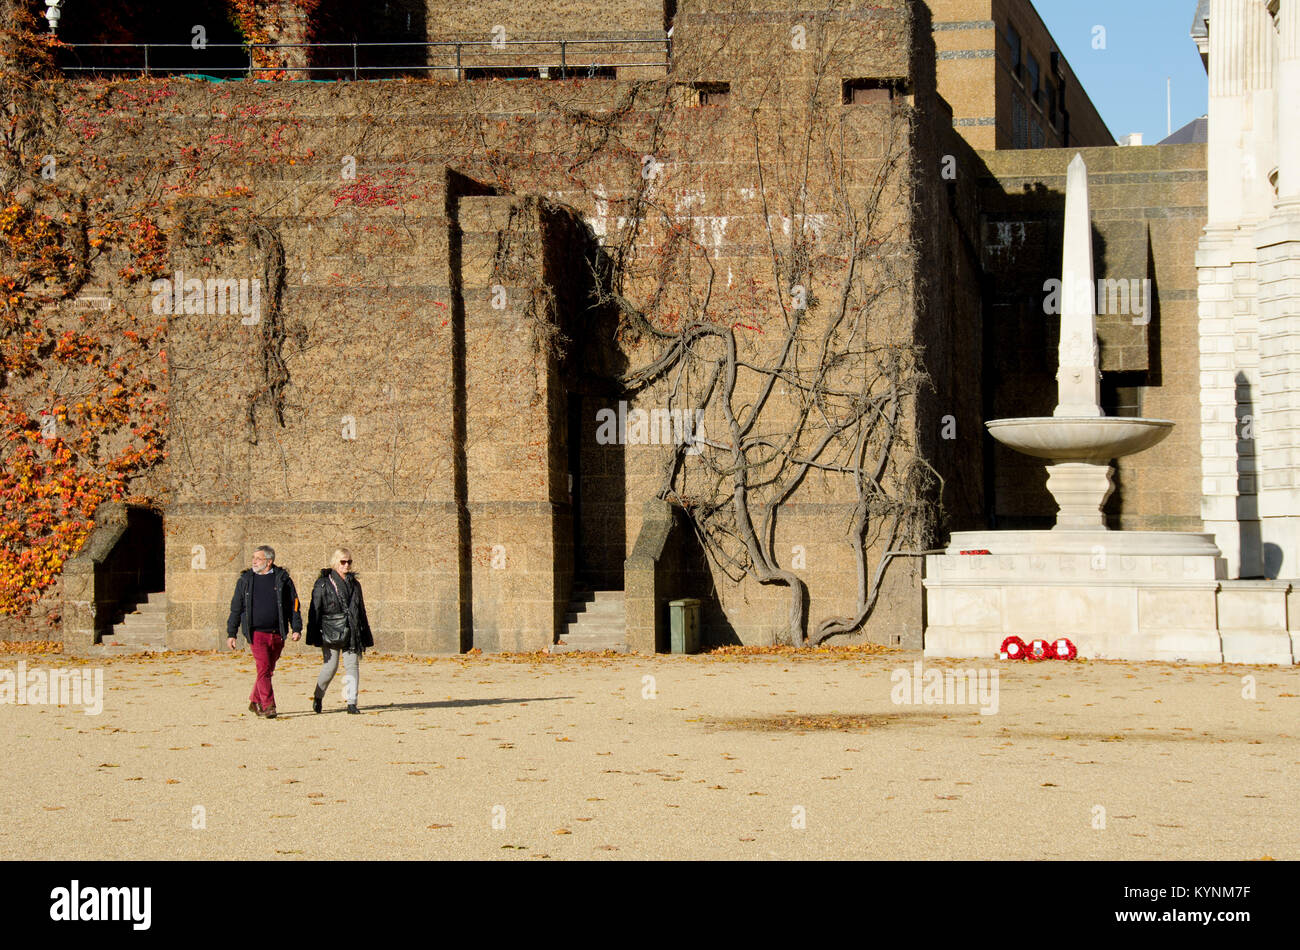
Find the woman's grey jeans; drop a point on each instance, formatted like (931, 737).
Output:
(351, 673)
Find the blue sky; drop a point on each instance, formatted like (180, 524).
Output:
(1145, 41)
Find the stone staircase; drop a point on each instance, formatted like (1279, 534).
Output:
(143, 630)
(596, 621)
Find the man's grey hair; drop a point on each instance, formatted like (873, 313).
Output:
(267, 550)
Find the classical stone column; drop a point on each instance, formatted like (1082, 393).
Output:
(1277, 243)
(1239, 157)
(1288, 113)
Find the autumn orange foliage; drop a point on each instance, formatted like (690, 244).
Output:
(81, 405)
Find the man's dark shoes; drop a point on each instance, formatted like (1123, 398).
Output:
(254, 708)
(352, 708)
(269, 714)
(315, 704)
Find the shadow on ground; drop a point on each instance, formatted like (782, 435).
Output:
(441, 704)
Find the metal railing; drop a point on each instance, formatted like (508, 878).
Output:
(573, 58)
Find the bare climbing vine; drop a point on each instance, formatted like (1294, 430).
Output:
(274, 374)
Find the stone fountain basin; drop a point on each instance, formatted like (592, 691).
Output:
(1079, 438)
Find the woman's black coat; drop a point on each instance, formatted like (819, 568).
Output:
(336, 601)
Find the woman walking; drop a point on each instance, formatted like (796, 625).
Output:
(337, 624)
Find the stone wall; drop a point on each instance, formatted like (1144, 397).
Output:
(399, 393)
(560, 19)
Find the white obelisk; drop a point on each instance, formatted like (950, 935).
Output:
(1078, 377)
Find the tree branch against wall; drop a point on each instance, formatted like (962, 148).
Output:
(805, 369)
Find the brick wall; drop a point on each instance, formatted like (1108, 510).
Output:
(977, 77)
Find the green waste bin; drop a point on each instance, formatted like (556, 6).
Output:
(684, 624)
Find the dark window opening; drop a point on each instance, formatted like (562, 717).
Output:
(1019, 123)
(501, 72)
(870, 91)
(712, 93)
(1122, 392)
(580, 72)
(1013, 44)
(1031, 79)
(539, 72)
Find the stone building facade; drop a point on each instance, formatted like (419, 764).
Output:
(1248, 266)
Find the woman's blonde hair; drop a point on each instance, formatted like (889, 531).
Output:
(338, 553)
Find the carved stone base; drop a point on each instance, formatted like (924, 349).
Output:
(1080, 490)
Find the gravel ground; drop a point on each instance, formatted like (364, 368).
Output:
(655, 757)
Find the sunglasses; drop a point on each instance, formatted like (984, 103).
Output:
(345, 562)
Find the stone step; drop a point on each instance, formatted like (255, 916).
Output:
(115, 648)
(146, 617)
(137, 636)
(593, 647)
(153, 617)
(139, 621)
(136, 639)
(595, 613)
(145, 626)
(600, 619)
(599, 599)
(132, 635)
(596, 621)
(597, 596)
(594, 633)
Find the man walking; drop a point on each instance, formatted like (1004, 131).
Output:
(265, 605)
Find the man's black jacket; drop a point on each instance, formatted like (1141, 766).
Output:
(241, 605)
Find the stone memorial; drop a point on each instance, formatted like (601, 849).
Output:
(1131, 595)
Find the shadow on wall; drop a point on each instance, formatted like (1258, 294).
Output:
(576, 268)
(696, 580)
(668, 563)
(1254, 555)
(1123, 391)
